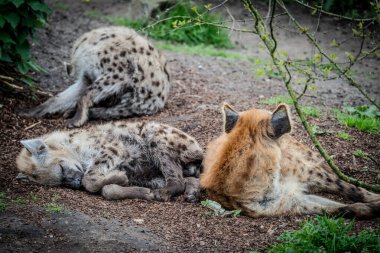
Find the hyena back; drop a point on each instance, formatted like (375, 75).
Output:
(118, 74)
(120, 160)
(256, 166)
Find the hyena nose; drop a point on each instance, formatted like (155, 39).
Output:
(71, 178)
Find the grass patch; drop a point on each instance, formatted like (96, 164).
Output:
(360, 153)
(201, 50)
(176, 25)
(323, 234)
(320, 131)
(363, 118)
(277, 100)
(20, 201)
(2, 195)
(54, 208)
(2, 205)
(311, 111)
(344, 136)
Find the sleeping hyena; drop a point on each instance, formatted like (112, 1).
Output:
(118, 74)
(120, 160)
(257, 167)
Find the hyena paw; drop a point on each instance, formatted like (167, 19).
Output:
(162, 195)
(192, 198)
(74, 122)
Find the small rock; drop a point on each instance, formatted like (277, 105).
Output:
(138, 221)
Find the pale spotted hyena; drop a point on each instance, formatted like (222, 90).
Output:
(118, 74)
(120, 160)
(257, 167)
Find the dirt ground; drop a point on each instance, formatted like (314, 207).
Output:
(89, 223)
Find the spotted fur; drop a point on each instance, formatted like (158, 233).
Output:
(256, 166)
(118, 74)
(122, 160)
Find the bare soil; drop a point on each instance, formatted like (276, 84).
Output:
(89, 223)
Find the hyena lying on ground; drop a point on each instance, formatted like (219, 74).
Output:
(133, 160)
(118, 74)
(257, 167)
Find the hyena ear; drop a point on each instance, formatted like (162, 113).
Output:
(37, 148)
(280, 121)
(230, 117)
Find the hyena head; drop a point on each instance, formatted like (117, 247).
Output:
(47, 163)
(260, 123)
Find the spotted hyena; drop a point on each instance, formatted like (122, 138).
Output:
(256, 166)
(120, 160)
(118, 74)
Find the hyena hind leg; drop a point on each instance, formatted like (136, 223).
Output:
(321, 180)
(114, 192)
(60, 103)
(312, 204)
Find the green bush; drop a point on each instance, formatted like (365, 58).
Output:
(18, 21)
(323, 234)
(178, 28)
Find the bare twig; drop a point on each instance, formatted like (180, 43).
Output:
(32, 125)
(341, 72)
(333, 14)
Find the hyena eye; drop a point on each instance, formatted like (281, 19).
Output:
(34, 177)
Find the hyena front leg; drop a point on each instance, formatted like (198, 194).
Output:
(94, 180)
(115, 191)
(192, 189)
(175, 184)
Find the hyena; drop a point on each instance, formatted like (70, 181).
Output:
(118, 74)
(256, 166)
(120, 160)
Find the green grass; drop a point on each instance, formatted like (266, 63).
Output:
(360, 153)
(178, 25)
(201, 50)
(2, 205)
(344, 136)
(363, 118)
(277, 100)
(311, 111)
(2, 195)
(323, 234)
(54, 208)
(20, 201)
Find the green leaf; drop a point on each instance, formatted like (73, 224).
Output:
(23, 67)
(333, 43)
(12, 19)
(5, 57)
(27, 81)
(37, 6)
(6, 38)
(2, 21)
(23, 50)
(17, 3)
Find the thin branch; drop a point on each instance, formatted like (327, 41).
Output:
(333, 14)
(350, 80)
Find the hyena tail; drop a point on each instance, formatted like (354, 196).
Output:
(62, 102)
